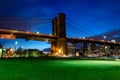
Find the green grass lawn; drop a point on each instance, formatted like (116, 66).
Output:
(36, 69)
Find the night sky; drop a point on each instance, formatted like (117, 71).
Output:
(96, 16)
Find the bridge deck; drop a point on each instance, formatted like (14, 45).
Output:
(43, 37)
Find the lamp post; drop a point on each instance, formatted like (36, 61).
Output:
(104, 37)
(16, 45)
(104, 43)
(114, 48)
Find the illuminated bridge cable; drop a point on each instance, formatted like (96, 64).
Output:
(74, 30)
(80, 26)
(72, 33)
(78, 30)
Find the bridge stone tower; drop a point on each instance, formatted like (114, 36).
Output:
(59, 47)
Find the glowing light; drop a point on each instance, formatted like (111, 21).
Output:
(27, 31)
(59, 50)
(113, 41)
(37, 32)
(56, 53)
(102, 40)
(104, 37)
(11, 49)
(7, 36)
(15, 31)
(106, 47)
(16, 42)
(4, 49)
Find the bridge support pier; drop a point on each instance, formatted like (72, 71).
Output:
(59, 47)
(62, 46)
(53, 47)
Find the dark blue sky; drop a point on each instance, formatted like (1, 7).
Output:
(98, 16)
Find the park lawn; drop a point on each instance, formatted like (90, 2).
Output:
(37, 69)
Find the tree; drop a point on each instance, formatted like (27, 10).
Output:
(32, 53)
(19, 51)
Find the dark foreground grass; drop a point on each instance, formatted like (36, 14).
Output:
(36, 69)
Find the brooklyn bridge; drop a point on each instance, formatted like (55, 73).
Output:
(58, 37)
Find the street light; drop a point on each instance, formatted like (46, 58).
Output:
(104, 37)
(104, 43)
(37, 32)
(16, 44)
(59, 50)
